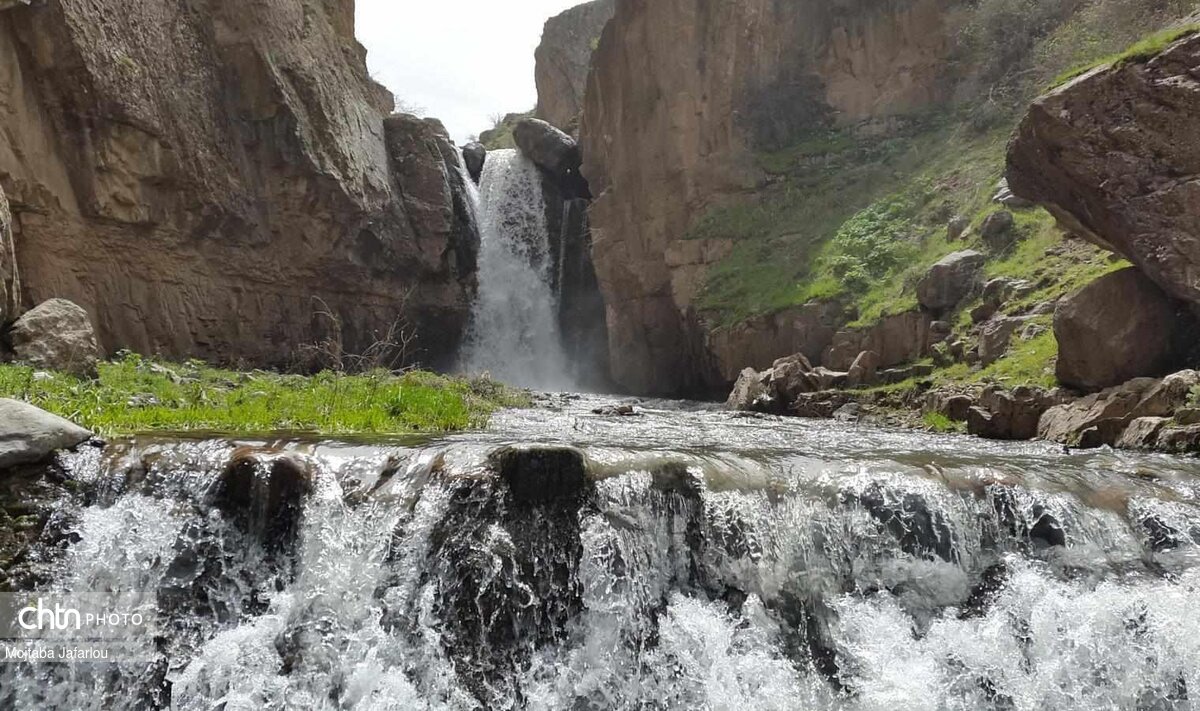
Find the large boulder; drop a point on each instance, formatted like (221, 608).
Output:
(1010, 414)
(791, 377)
(549, 148)
(474, 156)
(1109, 154)
(10, 283)
(949, 281)
(999, 230)
(1119, 327)
(57, 335)
(864, 370)
(751, 392)
(29, 434)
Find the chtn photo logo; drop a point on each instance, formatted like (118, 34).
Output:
(40, 616)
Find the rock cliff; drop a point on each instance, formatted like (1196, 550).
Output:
(672, 119)
(1114, 156)
(563, 59)
(216, 179)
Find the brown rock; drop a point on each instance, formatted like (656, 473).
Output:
(998, 231)
(10, 282)
(198, 216)
(758, 342)
(1117, 328)
(897, 339)
(563, 59)
(864, 370)
(956, 228)
(751, 392)
(549, 148)
(1010, 415)
(1107, 155)
(1104, 415)
(57, 335)
(950, 280)
(1142, 433)
(1179, 440)
(791, 377)
(995, 337)
(672, 120)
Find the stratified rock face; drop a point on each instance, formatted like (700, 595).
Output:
(1119, 327)
(564, 58)
(681, 92)
(10, 282)
(1114, 155)
(211, 179)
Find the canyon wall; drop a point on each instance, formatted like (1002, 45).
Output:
(216, 179)
(563, 59)
(671, 123)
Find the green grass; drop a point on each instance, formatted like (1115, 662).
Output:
(1140, 51)
(937, 422)
(134, 395)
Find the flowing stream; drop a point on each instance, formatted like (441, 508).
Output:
(514, 332)
(687, 558)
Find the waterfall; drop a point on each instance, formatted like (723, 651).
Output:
(514, 332)
(686, 559)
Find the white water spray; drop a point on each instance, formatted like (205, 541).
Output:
(514, 333)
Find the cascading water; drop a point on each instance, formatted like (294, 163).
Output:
(514, 332)
(685, 559)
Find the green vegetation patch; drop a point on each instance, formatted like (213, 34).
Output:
(135, 394)
(1144, 49)
(500, 136)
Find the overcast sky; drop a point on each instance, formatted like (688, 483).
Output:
(458, 60)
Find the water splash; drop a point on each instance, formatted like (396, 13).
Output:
(514, 332)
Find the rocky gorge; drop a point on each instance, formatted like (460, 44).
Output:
(874, 227)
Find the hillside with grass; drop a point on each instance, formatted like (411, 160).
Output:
(858, 214)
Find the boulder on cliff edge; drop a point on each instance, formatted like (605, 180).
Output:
(1119, 327)
(1109, 154)
(549, 148)
(57, 335)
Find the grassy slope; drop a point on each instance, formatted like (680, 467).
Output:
(830, 191)
(138, 395)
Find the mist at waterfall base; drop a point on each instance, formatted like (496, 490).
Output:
(514, 333)
(707, 561)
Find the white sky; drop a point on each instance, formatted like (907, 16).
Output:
(458, 60)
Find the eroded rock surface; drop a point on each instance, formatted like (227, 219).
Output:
(1119, 327)
(10, 281)
(57, 335)
(563, 59)
(208, 179)
(1114, 155)
(671, 122)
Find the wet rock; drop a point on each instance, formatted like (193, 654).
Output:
(751, 392)
(625, 410)
(998, 230)
(474, 156)
(263, 493)
(820, 405)
(1142, 433)
(1162, 536)
(1107, 155)
(57, 335)
(549, 148)
(29, 434)
(1179, 440)
(950, 280)
(991, 583)
(850, 412)
(864, 371)
(1119, 327)
(920, 530)
(1100, 419)
(541, 474)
